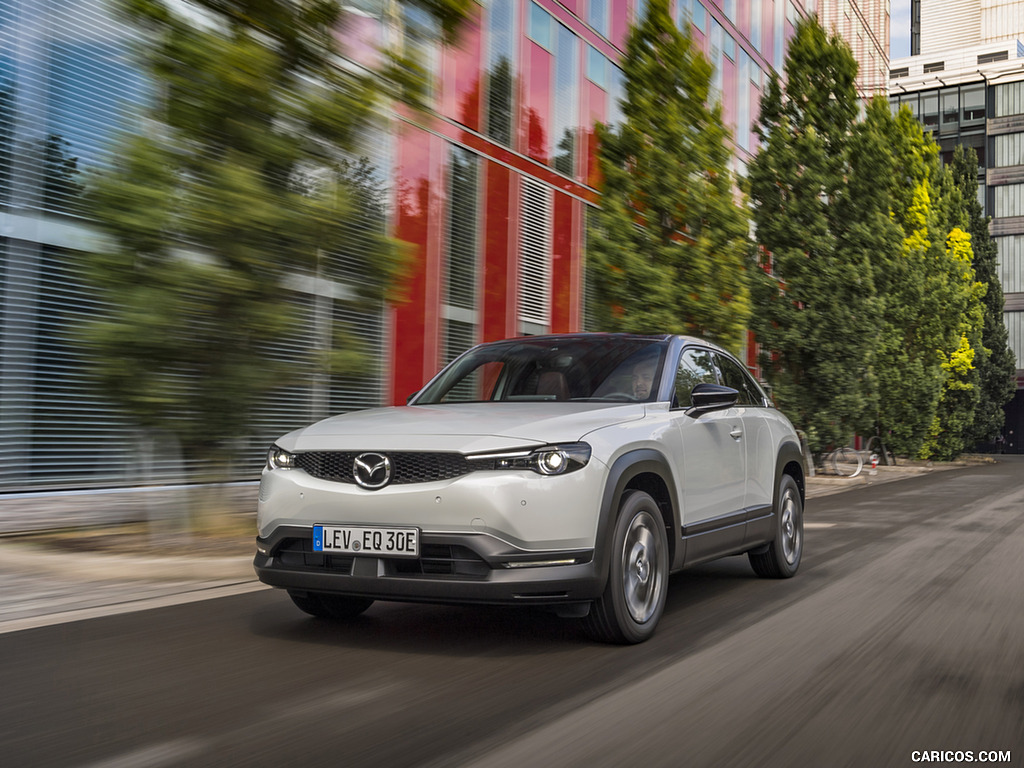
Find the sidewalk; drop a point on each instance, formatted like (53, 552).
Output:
(40, 585)
(825, 485)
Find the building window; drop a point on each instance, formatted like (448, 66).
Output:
(756, 10)
(597, 67)
(1009, 99)
(541, 29)
(616, 94)
(930, 110)
(935, 66)
(1009, 150)
(563, 134)
(597, 16)
(1011, 263)
(68, 85)
(897, 73)
(500, 71)
(700, 17)
(950, 110)
(988, 58)
(1009, 201)
(685, 8)
(746, 94)
(639, 11)
(972, 104)
(717, 34)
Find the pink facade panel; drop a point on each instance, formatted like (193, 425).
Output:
(620, 22)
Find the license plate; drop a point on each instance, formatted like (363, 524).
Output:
(356, 540)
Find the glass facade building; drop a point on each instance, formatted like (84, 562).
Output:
(491, 188)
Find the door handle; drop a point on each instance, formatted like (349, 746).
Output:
(736, 433)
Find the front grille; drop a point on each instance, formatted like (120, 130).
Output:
(441, 560)
(298, 553)
(408, 467)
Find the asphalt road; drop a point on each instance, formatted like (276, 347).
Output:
(903, 632)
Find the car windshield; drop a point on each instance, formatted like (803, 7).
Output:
(601, 368)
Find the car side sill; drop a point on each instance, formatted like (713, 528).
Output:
(728, 534)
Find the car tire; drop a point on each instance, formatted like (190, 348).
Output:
(327, 606)
(780, 559)
(634, 598)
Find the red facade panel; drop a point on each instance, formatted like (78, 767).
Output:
(497, 311)
(595, 107)
(418, 221)
(565, 265)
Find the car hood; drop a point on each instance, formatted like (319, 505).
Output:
(462, 427)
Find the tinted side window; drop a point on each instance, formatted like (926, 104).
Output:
(695, 367)
(734, 376)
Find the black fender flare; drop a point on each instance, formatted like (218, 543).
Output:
(789, 453)
(620, 473)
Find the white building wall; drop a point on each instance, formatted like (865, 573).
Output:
(949, 25)
(864, 25)
(1001, 19)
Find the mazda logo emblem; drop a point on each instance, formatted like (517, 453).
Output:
(371, 470)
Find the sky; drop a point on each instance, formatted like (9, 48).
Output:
(899, 29)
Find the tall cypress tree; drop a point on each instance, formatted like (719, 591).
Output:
(927, 298)
(669, 244)
(995, 363)
(814, 296)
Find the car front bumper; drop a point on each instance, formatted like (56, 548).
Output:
(452, 568)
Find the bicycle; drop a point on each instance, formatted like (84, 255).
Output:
(845, 462)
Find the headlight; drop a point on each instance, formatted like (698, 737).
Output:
(279, 458)
(549, 460)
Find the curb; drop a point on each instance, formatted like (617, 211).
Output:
(105, 567)
(825, 485)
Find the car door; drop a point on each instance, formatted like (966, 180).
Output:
(756, 437)
(713, 473)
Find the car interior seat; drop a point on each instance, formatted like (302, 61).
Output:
(553, 383)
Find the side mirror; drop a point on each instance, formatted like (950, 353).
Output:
(711, 397)
(410, 397)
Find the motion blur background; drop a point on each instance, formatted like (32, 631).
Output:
(492, 185)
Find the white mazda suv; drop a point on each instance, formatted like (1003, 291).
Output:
(573, 471)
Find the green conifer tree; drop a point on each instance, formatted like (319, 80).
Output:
(669, 244)
(927, 298)
(995, 361)
(813, 297)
